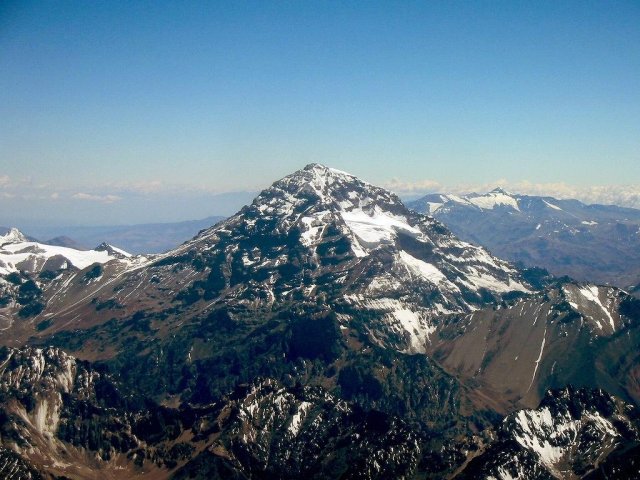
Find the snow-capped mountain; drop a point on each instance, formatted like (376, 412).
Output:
(316, 235)
(496, 198)
(596, 243)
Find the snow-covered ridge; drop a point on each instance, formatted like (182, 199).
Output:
(487, 201)
(115, 251)
(554, 433)
(493, 199)
(17, 253)
(496, 198)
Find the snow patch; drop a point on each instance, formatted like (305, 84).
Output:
(298, 417)
(401, 317)
(551, 205)
(533, 423)
(433, 207)
(591, 293)
(377, 227)
(537, 363)
(423, 269)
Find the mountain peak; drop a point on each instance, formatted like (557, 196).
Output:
(111, 250)
(13, 236)
(323, 170)
(501, 191)
(315, 167)
(321, 188)
(498, 197)
(323, 233)
(322, 175)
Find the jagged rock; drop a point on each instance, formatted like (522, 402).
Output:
(574, 433)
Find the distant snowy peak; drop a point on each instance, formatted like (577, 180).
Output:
(113, 251)
(497, 197)
(595, 243)
(18, 253)
(13, 236)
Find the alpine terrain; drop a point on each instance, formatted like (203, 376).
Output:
(598, 243)
(323, 331)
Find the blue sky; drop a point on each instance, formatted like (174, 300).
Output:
(111, 108)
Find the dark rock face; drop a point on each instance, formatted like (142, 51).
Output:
(267, 431)
(596, 243)
(56, 406)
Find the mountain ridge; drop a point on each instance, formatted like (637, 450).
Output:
(324, 298)
(139, 239)
(596, 243)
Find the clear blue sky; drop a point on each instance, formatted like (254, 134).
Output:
(110, 103)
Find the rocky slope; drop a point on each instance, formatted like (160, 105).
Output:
(596, 243)
(569, 333)
(63, 417)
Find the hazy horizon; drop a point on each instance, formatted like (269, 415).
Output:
(227, 204)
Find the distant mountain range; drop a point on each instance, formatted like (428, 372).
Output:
(597, 243)
(137, 239)
(323, 331)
